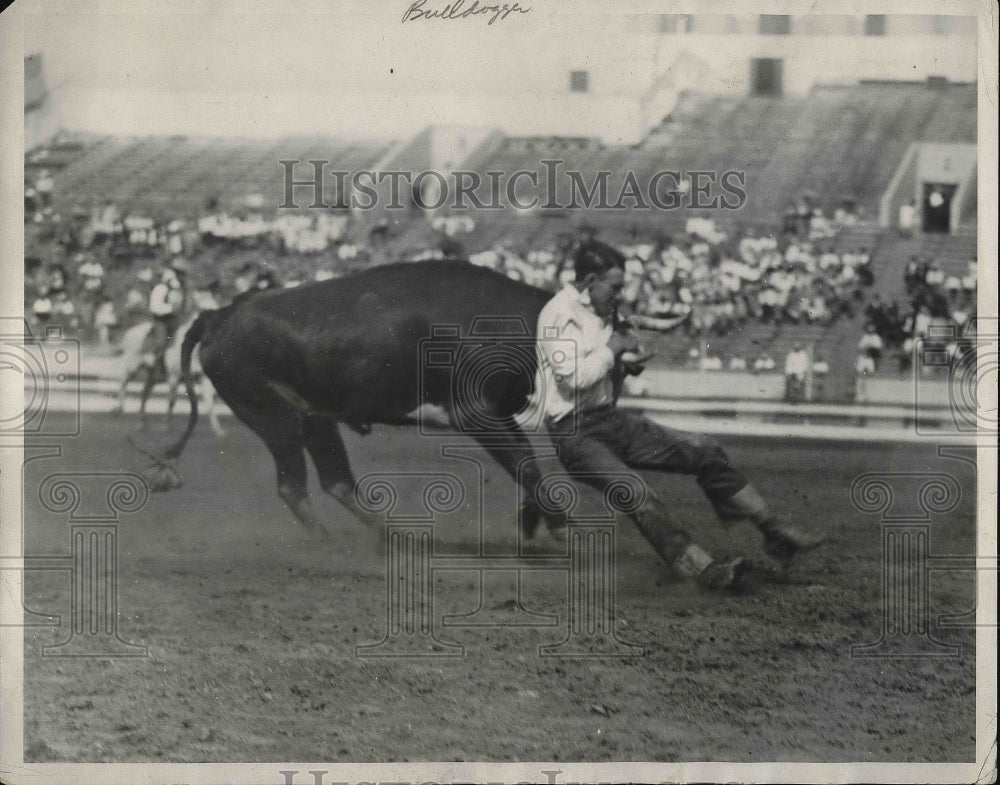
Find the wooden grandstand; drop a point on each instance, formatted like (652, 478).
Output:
(839, 140)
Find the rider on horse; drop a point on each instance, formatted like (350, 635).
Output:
(167, 303)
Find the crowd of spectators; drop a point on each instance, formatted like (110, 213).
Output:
(103, 263)
(754, 278)
(287, 233)
(91, 270)
(806, 220)
(135, 233)
(723, 283)
(939, 309)
(453, 225)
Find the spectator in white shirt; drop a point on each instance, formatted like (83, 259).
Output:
(907, 218)
(796, 368)
(871, 345)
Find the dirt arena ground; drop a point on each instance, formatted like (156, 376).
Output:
(251, 627)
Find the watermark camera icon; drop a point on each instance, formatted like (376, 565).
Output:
(49, 367)
(495, 362)
(958, 369)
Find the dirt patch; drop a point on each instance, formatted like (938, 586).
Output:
(251, 627)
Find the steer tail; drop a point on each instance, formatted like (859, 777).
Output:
(191, 339)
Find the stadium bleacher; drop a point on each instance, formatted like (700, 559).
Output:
(838, 140)
(177, 175)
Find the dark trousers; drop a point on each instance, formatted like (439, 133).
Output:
(596, 445)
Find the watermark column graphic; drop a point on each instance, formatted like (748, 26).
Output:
(591, 571)
(410, 616)
(411, 563)
(477, 373)
(478, 376)
(972, 564)
(905, 502)
(94, 502)
(12, 603)
(496, 567)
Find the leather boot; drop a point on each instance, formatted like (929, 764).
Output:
(532, 518)
(783, 541)
(707, 572)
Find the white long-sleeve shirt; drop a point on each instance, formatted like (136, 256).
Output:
(164, 299)
(574, 361)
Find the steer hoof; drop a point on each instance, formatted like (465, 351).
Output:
(160, 477)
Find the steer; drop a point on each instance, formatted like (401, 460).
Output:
(295, 364)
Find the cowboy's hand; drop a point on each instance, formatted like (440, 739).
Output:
(634, 363)
(621, 342)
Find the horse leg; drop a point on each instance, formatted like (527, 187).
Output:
(208, 404)
(123, 390)
(172, 383)
(325, 445)
(147, 388)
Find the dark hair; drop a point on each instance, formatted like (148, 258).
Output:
(596, 257)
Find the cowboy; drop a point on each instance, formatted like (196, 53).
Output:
(597, 441)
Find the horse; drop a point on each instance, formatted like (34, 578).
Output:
(137, 359)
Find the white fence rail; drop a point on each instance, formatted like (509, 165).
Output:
(868, 422)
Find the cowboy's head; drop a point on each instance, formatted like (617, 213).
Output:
(600, 272)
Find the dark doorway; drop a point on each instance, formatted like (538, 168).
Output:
(937, 207)
(765, 76)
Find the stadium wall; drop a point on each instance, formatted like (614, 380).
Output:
(936, 162)
(850, 58)
(902, 188)
(964, 206)
(41, 115)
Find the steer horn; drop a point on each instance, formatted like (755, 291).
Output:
(659, 324)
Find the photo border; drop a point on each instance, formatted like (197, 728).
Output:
(12, 767)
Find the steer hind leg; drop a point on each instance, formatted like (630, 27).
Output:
(280, 426)
(327, 449)
(290, 462)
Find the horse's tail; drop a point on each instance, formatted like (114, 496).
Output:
(191, 339)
